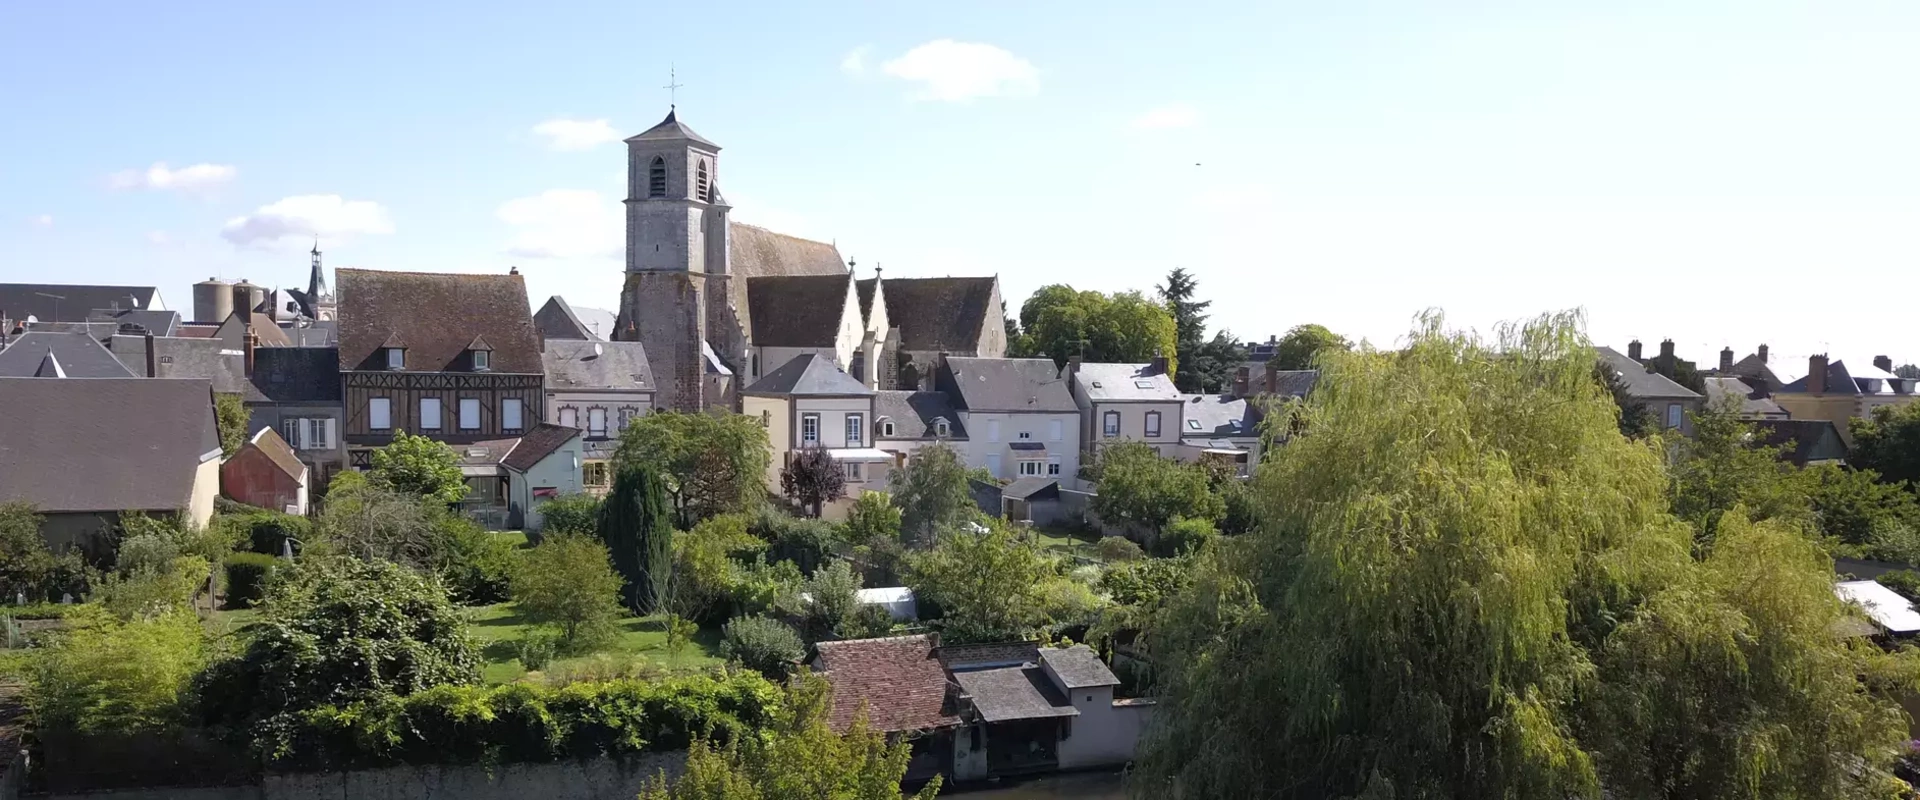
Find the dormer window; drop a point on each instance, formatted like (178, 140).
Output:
(479, 354)
(941, 428)
(396, 358)
(480, 359)
(886, 428)
(657, 178)
(701, 185)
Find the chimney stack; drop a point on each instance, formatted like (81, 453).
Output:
(1726, 359)
(1273, 376)
(151, 361)
(1633, 349)
(1158, 366)
(1884, 363)
(253, 340)
(1763, 354)
(1241, 377)
(1817, 374)
(1666, 350)
(1073, 368)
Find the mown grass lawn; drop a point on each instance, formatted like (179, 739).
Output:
(1064, 542)
(499, 627)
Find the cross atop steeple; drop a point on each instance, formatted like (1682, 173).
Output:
(673, 88)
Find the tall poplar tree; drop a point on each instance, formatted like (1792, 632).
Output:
(636, 522)
(1468, 584)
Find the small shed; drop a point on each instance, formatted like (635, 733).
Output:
(1892, 614)
(1032, 499)
(266, 473)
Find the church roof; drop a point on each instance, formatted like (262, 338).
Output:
(556, 320)
(671, 129)
(809, 374)
(936, 313)
(436, 316)
(796, 310)
(754, 252)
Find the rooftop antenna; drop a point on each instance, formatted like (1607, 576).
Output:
(673, 88)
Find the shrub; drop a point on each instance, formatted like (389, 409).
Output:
(521, 723)
(764, 588)
(1118, 548)
(603, 667)
(104, 675)
(268, 531)
(808, 543)
(572, 513)
(1242, 515)
(1183, 536)
(477, 564)
(152, 591)
(146, 552)
(708, 566)
(866, 622)
(537, 649)
(833, 594)
(568, 581)
(767, 646)
(247, 577)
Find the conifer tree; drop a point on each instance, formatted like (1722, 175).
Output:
(636, 522)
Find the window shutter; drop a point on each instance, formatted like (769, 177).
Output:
(327, 433)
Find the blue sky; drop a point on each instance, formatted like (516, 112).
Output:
(1715, 172)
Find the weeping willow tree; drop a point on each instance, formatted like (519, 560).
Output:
(1468, 584)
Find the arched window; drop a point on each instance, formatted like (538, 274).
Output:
(657, 178)
(700, 186)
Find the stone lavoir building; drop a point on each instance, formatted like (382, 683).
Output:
(719, 304)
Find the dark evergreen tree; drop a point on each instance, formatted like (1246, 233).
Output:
(1189, 328)
(636, 522)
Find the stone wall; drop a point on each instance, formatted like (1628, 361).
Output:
(667, 313)
(598, 779)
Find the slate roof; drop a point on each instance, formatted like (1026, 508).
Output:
(539, 443)
(1812, 439)
(577, 365)
(1290, 382)
(897, 678)
(796, 310)
(80, 356)
(76, 302)
(436, 315)
(1078, 667)
(671, 129)
(158, 323)
(276, 449)
(813, 374)
(1208, 416)
(935, 314)
(1031, 488)
(211, 360)
(913, 414)
(1752, 404)
(1114, 382)
(105, 444)
(1640, 383)
(754, 252)
(49, 367)
(556, 320)
(1005, 384)
(1010, 693)
(297, 374)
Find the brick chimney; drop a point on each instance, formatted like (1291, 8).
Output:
(1158, 366)
(1666, 350)
(1763, 354)
(1633, 349)
(1817, 374)
(1884, 363)
(151, 361)
(1726, 359)
(1073, 368)
(1273, 377)
(1241, 377)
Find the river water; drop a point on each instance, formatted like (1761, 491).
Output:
(1093, 786)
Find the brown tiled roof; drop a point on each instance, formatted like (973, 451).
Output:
(435, 315)
(898, 679)
(538, 444)
(936, 313)
(760, 253)
(796, 310)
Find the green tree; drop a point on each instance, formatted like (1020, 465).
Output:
(374, 524)
(767, 646)
(1189, 327)
(107, 676)
(337, 632)
(1887, 441)
(567, 581)
(1215, 363)
(1136, 485)
(636, 524)
(798, 756)
(1019, 344)
(713, 462)
(990, 585)
(1304, 343)
(570, 513)
(812, 479)
(1124, 327)
(25, 560)
(932, 494)
(230, 417)
(1724, 466)
(1468, 584)
(873, 516)
(418, 466)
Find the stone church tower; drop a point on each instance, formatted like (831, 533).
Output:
(675, 298)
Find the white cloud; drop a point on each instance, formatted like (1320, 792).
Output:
(1164, 117)
(956, 72)
(564, 223)
(576, 134)
(855, 61)
(41, 221)
(306, 216)
(186, 179)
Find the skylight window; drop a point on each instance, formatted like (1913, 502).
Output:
(1143, 384)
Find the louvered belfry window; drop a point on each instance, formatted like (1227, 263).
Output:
(657, 178)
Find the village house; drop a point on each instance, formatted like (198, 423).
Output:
(1671, 404)
(1838, 391)
(1222, 428)
(1127, 402)
(905, 421)
(101, 447)
(509, 479)
(58, 302)
(452, 357)
(265, 473)
(296, 391)
(1020, 418)
(809, 402)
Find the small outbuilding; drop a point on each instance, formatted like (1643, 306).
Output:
(266, 473)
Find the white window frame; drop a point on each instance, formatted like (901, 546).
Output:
(513, 414)
(380, 413)
(396, 358)
(809, 429)
(856, 429)
(293, 429)
(570, 417)
(432, 416)
(1110, 424)
(1153, 425)
(886, 428)
(1053, 465)
(596, 423)
(1675, 415)
(481, 359)
(324, 433)
(1031, 468)
(469, 413)
(941, 427)
(852, 471)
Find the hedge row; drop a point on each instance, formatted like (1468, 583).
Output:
(519, 723)
(247, 576)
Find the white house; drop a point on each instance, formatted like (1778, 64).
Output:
(1128, 402)
(905, 421)
(811, 402)
(1020, 418)
(597, 387)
